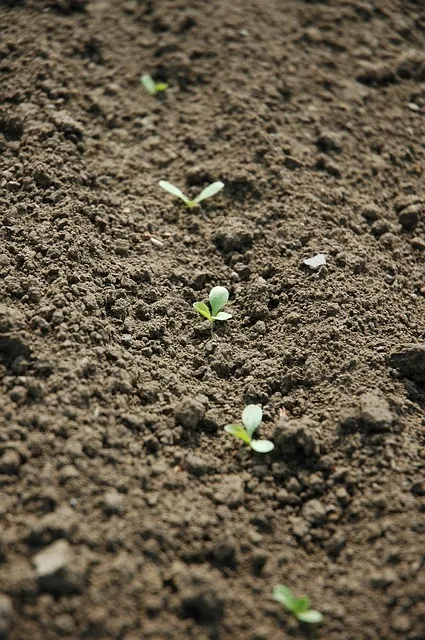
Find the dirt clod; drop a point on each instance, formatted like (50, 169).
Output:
(314, 512)
(190, 412)
(409, 359)
(410, 216)
(59, 524)
(200, 596)
(230, 491)
(198, 465)
(297, 437)
(233, 236)
(57, 570)
(6, 616)
(113, 503)
(375, 412)
(10, 462)
(329, 141)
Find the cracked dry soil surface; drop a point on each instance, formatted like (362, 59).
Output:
(126, 511)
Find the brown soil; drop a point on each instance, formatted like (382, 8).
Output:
(126, 510)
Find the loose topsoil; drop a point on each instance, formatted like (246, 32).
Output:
(126, 511)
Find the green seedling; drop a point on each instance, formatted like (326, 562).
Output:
(298, 606)
(151, 86)
(218, 298)
(208, 192)
(251, 419)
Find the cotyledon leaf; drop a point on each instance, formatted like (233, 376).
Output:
(209, 191)
(262, 446)
(148, 83)
(175, 191)
(311, 616)
(222, 315)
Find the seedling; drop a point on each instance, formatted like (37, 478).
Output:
(208, 192)
(218, 298)
(151, 86)
(251, 419)
(298, 606)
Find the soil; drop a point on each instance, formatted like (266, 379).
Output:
(126, 510)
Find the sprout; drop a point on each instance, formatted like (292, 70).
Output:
(151, 86)
(251, 419)
(298, 606)
(208, 192)
(218, 298)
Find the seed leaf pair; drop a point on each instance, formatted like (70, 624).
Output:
(251, 420)
(298, 606)
(208, 192)
(218, 298)
(151, 86)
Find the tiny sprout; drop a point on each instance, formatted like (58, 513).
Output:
(298, 606)
(218, 298)
(151, 86)
(208, 192)
(251, 419)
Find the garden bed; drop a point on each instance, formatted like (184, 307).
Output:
(127, 511)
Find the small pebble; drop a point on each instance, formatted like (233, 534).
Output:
(413, 106)
(157, 243)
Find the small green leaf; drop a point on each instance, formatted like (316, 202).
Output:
(191, 204)
(202, 308)
(209, 191)
(175, 191)
(238, 431)
(302, 604)
(285, 596)
(311, 616)
(148, 83)
(161, 86)
(218, 298)
(222, 315)
(262, 446)
(251, 417)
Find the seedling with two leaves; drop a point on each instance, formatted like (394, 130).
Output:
(218, 298)
(251, 420)
(298, 606)
(151, 86)
(208, 192)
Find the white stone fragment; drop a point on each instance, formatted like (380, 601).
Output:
(319, 260)
(157, 243)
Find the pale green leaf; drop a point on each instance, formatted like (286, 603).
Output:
(148, 83)
(284, 595)
(202, 308)
(238, 431)
(175, 191)
(262, 446)
(251, 417)
(311, 616)
(218, 298)
(209, 191)
(222, 315)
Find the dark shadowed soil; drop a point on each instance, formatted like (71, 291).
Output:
(126, 511)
